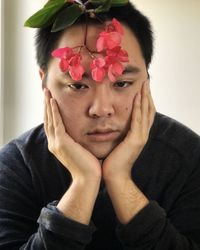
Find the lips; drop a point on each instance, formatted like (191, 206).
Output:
(101, 135)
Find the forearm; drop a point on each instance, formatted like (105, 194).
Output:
(126, 198)
(151, 229)
(78, 201)
(144, 224)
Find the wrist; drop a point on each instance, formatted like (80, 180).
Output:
(127, 198)
(78, 201)
(118, 179)
(85, 181)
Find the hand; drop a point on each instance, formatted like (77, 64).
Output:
(81, 163)
(118, 164)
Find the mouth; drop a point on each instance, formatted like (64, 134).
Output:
(103, 135)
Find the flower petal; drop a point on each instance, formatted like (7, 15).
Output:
(100, 43)
(118, 26)
(123, 56)
(98, 62)
(64, 65)
(75, 60)
(98, 74)
(76, 72)
(117, 68)
(113, 40)
(111, 76)
(63, 52)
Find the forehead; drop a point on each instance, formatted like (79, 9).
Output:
(76, 35)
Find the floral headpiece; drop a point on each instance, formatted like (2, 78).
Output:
(63, 13)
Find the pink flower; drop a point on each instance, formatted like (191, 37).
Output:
(118, 53)
(115, 26)
(76, 70)
(64, 65)
(109, 63)
(114, 67)
(113, 59)
(69, 61)
(63, 53)
(111, 37)
(98, 69)
(108, 40)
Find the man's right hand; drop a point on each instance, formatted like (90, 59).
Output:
(80, 162)
(85, 168)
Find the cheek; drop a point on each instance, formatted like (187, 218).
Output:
(72, 115)
(126, 111)
(128, 104)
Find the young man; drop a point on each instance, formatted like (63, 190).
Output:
(106, 171)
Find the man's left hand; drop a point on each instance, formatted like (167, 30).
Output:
(127, 199)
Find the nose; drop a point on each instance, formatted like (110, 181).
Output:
(102, 102)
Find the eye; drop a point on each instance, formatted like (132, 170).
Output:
(77, 86)
(123, 84)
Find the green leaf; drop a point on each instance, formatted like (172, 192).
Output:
(44, 16)
(67, 17)
(104, 7)
(114, 3)
(117, 3)
(98, 2)
(52, 2)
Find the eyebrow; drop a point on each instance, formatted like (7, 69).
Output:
(85, 75)
(129, 69)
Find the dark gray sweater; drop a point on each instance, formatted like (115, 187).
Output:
(167, 172)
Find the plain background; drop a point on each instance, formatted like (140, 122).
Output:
(174, 71)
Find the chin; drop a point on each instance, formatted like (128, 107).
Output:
(101, 151)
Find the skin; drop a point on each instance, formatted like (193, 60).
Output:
(72, 115)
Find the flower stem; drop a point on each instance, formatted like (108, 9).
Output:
(86, 3)
(86, 31)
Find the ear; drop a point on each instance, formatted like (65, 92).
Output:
(43, 77)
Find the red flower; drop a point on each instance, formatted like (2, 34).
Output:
(115, 26)
(69, 61)
(65, 53)
(98, 69)
(76, 70)
(118, 53)
(114, 67)
(108, 40)
(110, 62)
(115, 70)
(111, 37)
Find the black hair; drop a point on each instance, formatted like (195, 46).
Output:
(46, 41)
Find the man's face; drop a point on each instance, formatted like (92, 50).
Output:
(97, 115)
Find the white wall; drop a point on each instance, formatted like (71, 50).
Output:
(1, 75)
(176, 64)
(174, 71)
(22, 90)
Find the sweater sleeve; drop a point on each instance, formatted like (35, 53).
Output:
(24, 224)
(173, 221)
(151, 229)
(178, 228)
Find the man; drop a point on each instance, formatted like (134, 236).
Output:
(106, 171)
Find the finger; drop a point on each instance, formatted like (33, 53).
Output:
(152, 109)
(136, 113)
(145, 107)
(45, 113)
(48, 114)
(57, 119)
